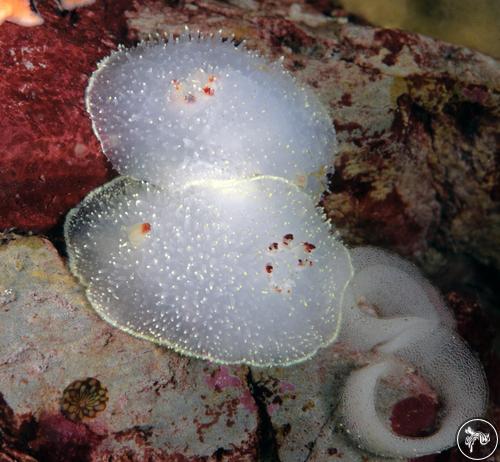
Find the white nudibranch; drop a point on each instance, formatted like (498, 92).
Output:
(200, 107)
(212, 244)
(244, 271)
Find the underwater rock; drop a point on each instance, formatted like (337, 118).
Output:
(163, 405)
(416, 121)
(50, 157)
(160, 404)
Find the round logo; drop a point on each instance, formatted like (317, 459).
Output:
(477, 439)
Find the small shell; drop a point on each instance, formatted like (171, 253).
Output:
(84, 398)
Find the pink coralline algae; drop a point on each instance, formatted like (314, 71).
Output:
(414, 416)
(285, 386)
(248, 401)
(221, 378)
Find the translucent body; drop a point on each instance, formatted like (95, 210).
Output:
(198, 108)
(224, 271)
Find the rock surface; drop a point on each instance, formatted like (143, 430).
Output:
(161, 406)
(50, 158)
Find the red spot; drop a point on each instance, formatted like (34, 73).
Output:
(208, 90)
(269, 268)
(309, 247)
(277, 289)
(287, 238)
(305, 262)
(273, 246)
(145, 228)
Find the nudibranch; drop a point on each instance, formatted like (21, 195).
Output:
(223, 270)
(211, 242)
(196, 107)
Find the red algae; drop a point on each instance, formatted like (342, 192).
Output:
(50, 157)
(59, 439)
(221, 379)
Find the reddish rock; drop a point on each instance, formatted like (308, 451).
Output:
(49, 156)
(480, 331)
(60, 439)
(472, 322)
(14, 434)
(417, 173)
(414, 416)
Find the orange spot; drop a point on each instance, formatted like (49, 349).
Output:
(212, 78)
(138, 233)
(18, 12)
(177, 85)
